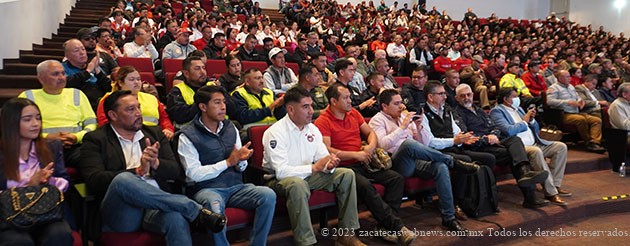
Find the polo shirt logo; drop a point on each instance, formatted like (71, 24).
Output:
(273, 144)
(309, 137)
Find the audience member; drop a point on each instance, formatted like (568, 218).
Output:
(84, 75)
(255, 104)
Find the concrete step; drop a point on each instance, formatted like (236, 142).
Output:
(20, 69)
(36, 59)
(48, 51)
(19, 81)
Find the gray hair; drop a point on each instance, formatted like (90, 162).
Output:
(461, 87)
(623, 87)
(43, 66)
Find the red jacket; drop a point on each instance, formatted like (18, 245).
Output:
(441, 64)
(535, 83)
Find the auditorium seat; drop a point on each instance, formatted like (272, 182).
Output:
(169, 81)
(76, 237)
(172, 65)
(294, 66)
(260, 65)
(216, 67)
(139, 238)
(141, 64)
(402, 80)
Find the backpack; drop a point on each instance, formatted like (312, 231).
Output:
(481, 193)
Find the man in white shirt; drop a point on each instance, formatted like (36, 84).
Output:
(144, 11)
(141, 46)
(212, 155)
(453, 52)
(421, 54)
(397, 53)
(295, 151)
(513, 121)
(619, 110)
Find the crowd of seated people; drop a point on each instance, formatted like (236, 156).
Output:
(474, 98)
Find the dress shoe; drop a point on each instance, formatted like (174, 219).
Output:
(406, 236)
(530, 177)
(536, 203)
(348, 241)
(210, 220)
(453, 225)
(465, 167)
(459, 213)
(556, 200)
(595, 148)
(563, 193)
(386, 235)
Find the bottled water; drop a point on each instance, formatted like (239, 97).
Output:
(622, 170)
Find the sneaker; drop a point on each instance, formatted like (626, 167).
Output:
(406, 236)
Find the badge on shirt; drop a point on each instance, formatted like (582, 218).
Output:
(309, 137)
(273, 144)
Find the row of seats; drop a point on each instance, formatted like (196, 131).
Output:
(172, 66)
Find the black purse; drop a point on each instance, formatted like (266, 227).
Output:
(26, 207)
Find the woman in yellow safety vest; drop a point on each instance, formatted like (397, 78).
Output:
(153, 113)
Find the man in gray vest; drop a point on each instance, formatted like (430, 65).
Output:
(212, 155)
(278, 77)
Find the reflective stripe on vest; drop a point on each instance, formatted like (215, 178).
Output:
(76, 96)
(188, 93)
(254, 103)
(149, 106)
(63, 129)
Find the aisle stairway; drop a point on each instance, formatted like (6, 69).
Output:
(20, 74)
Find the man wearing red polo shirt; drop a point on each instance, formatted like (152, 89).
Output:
(341, 126)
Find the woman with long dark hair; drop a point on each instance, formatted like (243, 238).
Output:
(27, 159)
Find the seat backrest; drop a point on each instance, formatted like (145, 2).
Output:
(402, 80)
(148, 77)
(216, 67)
(255, 135)
(172, 65)
(260, 65)
(294, 66)
(141, 64)
(169, 81)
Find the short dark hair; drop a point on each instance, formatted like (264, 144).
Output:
(111, 102)
(229, 59)
(100, 31)
(333, 91)
(305, 70)
(197, 53)
(250, 37)
(372, 76)
(188, 61)
(295, 95)
(503, 93)
(267, 39)
(590, 77)
(103, 19)
(249, 71)
(342, 64)
(431, 85)
(218, 35)
(316, 55)
(387, 95)
(204, 94)
(422, 68)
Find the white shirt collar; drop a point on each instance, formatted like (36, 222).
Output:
(136, 137)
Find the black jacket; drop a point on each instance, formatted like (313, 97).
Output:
(102, 159)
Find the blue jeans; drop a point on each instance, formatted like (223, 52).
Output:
(405, 161)
(130, 204)
(245, 196)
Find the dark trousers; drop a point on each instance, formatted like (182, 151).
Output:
(458, 182)
(383, 209)
(53, 234)
(511, 151)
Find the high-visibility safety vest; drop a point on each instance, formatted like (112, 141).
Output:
(69, 111)
(188, 93)
(253, 102)
(149, 106)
